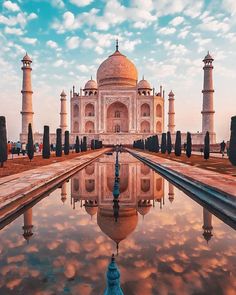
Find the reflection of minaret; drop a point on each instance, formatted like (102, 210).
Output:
(113, 279)
(207, 225)
(91, 207)
(27, 225)
(64, 192)
(171, 193)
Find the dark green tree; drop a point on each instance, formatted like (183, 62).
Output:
(232, 142)
(77, 147)
(3, 141)
(169, 144)
(67, 143)
(58, 143)
(189, 145)
(206, 146)
(30, 143)
(46, 143)
(163, 143)
(178, 144)
(93, 143)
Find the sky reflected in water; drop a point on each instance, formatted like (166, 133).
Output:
(167, 243)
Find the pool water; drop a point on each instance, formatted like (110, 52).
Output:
(164, 242)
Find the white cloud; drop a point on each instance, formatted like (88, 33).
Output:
(167, 31)
(11, 6)
(81, 3)
(129, 45)
(20, 19)
(52, 44)
(230, 6)
(59, 63)
(172, 48)
(209, 23)
(27, 40)
(99, 50)
(58, 3)
(32, 16)
(13, 31)
(183, 34)
(176, 21)
(83, 68)
(73, 42)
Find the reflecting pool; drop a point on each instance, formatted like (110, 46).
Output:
(164, 242)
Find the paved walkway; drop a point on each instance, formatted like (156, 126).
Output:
(15, 188)
(222, 182)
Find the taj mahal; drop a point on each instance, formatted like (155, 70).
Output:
(117, 107)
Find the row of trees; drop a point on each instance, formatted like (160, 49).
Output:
(79, 146)
(152, 144)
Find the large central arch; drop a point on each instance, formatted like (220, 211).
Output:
(117, 118)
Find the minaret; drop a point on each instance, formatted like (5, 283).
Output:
(207, 105)
(27, 225)
(171, 113)
(207, 225)
(171, 193)
(64, 192)
(27, 109)
(63, 113)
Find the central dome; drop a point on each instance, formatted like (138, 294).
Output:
(117, 70)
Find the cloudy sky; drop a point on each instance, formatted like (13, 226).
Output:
(166, 39)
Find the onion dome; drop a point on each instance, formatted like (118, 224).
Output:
(144, 85)
(91, 85)
(26, 58)
(117, 70)
(208, 57)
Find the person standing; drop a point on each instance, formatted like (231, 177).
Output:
(23, 148)
(18, 147)
(222, 148)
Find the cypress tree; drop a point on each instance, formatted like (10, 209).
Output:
(85, 143)
(67, 143)
(3, 141)
(207, 146)
(157, 144)
(58, 143)
(30, 143)
(178, 144)
(46, 143)
(77, 149)
(163, 143)
(189, 145)
(232, 142)
(93, 144)
(169, 144)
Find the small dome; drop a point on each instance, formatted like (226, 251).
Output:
(171, 93)
(26, 58)
(208, 57)
(91, 210)
(91, 85)
(144, 84)
(143, 210)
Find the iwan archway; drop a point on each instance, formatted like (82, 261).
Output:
(117, 118)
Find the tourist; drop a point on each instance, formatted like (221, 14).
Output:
(18, 147)
(9, 147)
(40, 147)
(23, 148)
(222, 148)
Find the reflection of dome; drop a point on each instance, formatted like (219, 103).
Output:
(119, 230)
(91, 85)
(117, 70)
(143, 210)
(91, 210)
(144, 84)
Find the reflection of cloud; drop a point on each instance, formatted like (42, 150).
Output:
(53, 244)
(13, 283)
(32, 249)
(84, 289)
(14, 259)
(70, 270)
(72, 246)
(177, 267)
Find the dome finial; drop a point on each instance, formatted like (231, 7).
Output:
(117, 45)
(143, 77)
(91, 77)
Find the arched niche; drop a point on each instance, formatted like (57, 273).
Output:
(76, 126)
(90, 185)
(145, 127)
(117, 118)
(159, 127)
(158, 110)
(89, 127)
(89, 110)
(75, 110)
(145, 110)
(145, 185)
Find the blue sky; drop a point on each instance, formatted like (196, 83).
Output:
(166, 39)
